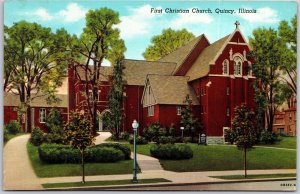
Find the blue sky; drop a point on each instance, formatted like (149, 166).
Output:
(139, 25)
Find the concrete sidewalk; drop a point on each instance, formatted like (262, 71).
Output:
(175, 177)
(17, 170)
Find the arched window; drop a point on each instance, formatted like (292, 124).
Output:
(225, 67)
(238, 65)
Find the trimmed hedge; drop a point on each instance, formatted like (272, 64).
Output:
(126, 150)
(171, 152)
(56, 154)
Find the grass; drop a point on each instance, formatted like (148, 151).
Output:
(217, 157)
(286, 142)
(11, 136)
(103, 183)
(255, 176)
(58, 170)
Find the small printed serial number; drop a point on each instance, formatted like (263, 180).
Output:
(287, 185)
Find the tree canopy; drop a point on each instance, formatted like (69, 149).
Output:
(35, 60)
(165, 43)
(100, 40)
(273, 53)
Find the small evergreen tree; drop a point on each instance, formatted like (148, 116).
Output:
(115, 101)
(54, 125)
(244, 126)
(188, 121)
(80, 135)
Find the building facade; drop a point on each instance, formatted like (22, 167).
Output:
(217, 77)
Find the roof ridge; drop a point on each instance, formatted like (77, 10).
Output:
(198, 37)
(148, 61)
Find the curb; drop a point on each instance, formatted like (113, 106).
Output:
(120, 187)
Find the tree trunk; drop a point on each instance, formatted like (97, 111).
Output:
(245, 161)
(94, 116)
(82, 165)
(28, 119)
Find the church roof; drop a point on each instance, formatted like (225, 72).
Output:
(105, 72)
(135, 71)
(171, 89)
(179, 55)
(11, 99)
(200, 67)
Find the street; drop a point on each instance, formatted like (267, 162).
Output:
(250, 186)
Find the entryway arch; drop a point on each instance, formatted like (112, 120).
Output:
(101, 125)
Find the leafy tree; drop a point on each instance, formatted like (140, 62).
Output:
(100, 40)
(79, 134)
(269, 55)
(230, 135)
(188, 121)
(165, 43)
(243, 125)
(35, 61)
(115, 100)
(288, 34)
(54, 125)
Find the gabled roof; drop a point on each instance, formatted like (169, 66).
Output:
(11, 99)
(201, 66)
(135, 71)
(179, 55)
(171, 89)
(105, 72)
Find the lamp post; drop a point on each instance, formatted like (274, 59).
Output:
(135, 125)
(182, 128)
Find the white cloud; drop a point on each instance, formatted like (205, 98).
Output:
(186, 19)
(72, 13)
(43, 14)
(138, 23)
(263, 15)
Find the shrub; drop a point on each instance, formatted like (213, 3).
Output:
(54, 125)
(165, 140)
(172, 130)
(268, 137)
(125, 135)
(126, 150)
(13, 127)
(151, 133)
(187, 140)
(139, 140)
(171, 152)
(37, 136)
(230, 135)
(56, 153)
(103, 154)
(162, 132)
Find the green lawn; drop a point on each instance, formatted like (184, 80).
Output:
(220, 157)
(58, 170)
(103, 183)
(255, 176)
(286, 142)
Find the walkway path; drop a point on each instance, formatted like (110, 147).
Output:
(17, 171)
(145, 163)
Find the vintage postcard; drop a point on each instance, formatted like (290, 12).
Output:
(149, 95)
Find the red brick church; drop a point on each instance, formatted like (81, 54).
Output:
(217, 77)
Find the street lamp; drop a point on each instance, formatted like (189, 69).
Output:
(182, 128)
(135, 125)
